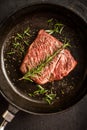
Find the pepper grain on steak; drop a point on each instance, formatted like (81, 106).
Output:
(42, 47)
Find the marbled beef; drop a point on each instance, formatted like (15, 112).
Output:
(43, 46)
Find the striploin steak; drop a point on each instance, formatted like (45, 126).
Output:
(42, 47)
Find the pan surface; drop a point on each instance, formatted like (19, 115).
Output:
(72, 87)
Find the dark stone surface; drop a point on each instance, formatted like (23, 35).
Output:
(73, 119)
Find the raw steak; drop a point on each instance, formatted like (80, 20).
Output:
(42, 47)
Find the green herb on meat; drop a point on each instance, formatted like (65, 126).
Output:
(37, 70)
(67, 42)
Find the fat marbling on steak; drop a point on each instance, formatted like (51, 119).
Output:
(42, 47)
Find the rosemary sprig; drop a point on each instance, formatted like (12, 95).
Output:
(47, 96)
(58, 28)
(18, 42)
(39, 91)
(37, 70)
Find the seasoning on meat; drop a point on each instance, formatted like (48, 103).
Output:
(42, 47)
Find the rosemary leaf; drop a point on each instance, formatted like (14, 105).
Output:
(47, 100)
(40, 90)
(27, 78)
(10, 53)
(31, 95)
(27, 32)
(50, 97)
(58, 28)
(61, 29)
(40, 87)
(37, 92)
(19, 36)
(44, 91)
(16, 38)
(58, 24)
(22, 48)
(16, 44)
(62, 92)
(49, 20)
(26, 42)
(50, 31)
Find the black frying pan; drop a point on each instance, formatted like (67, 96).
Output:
(73, 86)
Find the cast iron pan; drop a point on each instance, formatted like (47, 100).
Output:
(73, 85)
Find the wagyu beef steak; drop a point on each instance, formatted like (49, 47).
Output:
(44, 46)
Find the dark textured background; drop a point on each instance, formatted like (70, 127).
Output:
(73, 119)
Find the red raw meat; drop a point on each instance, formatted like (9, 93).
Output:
(42, 47)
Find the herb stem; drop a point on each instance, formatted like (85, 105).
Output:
(47, 96)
